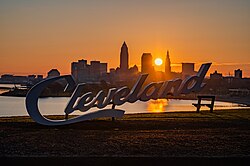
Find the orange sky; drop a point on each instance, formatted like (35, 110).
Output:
(36, 36)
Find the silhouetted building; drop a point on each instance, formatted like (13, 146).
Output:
(124, 58)
(216, 75)
(133, 70)
(146, 63)
(79, 69)
(7, 77)
(24, 80)
(98, 68)
(187, 69)
(84, 72)
(168, 66)
(238, 73)
(124, 73)
(31, 77)
(53, 73)
(39, 77)
(112, 73)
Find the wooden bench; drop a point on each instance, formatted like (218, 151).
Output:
(199, 104)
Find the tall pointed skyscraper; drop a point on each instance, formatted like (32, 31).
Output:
(124, 58)
(168, 66)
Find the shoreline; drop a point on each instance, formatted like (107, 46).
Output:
(244, 100)
(237, 100)
(222, 98)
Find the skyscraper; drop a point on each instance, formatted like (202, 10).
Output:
(238, 73)
(124, 58)
(146, 63)
(167, 65)
(92, 72)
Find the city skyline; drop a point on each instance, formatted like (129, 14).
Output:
(37, 36)
(165, 66)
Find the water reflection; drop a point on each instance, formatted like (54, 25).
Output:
(15, 106)
(157, 106)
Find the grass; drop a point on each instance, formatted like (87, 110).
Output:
(174, 134)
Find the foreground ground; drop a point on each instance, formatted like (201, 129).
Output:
(153, 137)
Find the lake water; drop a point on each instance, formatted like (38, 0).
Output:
(15, 106)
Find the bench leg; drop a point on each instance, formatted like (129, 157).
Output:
(212, 105)
(198, 105)
(198, 108)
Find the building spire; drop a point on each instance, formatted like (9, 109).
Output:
(168, 66)
(124, 57)
(124, 43)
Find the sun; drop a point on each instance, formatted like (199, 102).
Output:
(158, 61)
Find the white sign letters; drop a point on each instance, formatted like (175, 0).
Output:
(115, 96)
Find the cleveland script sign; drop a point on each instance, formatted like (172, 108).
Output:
(115, 96)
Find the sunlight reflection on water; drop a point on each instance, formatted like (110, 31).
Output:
(157, 106)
